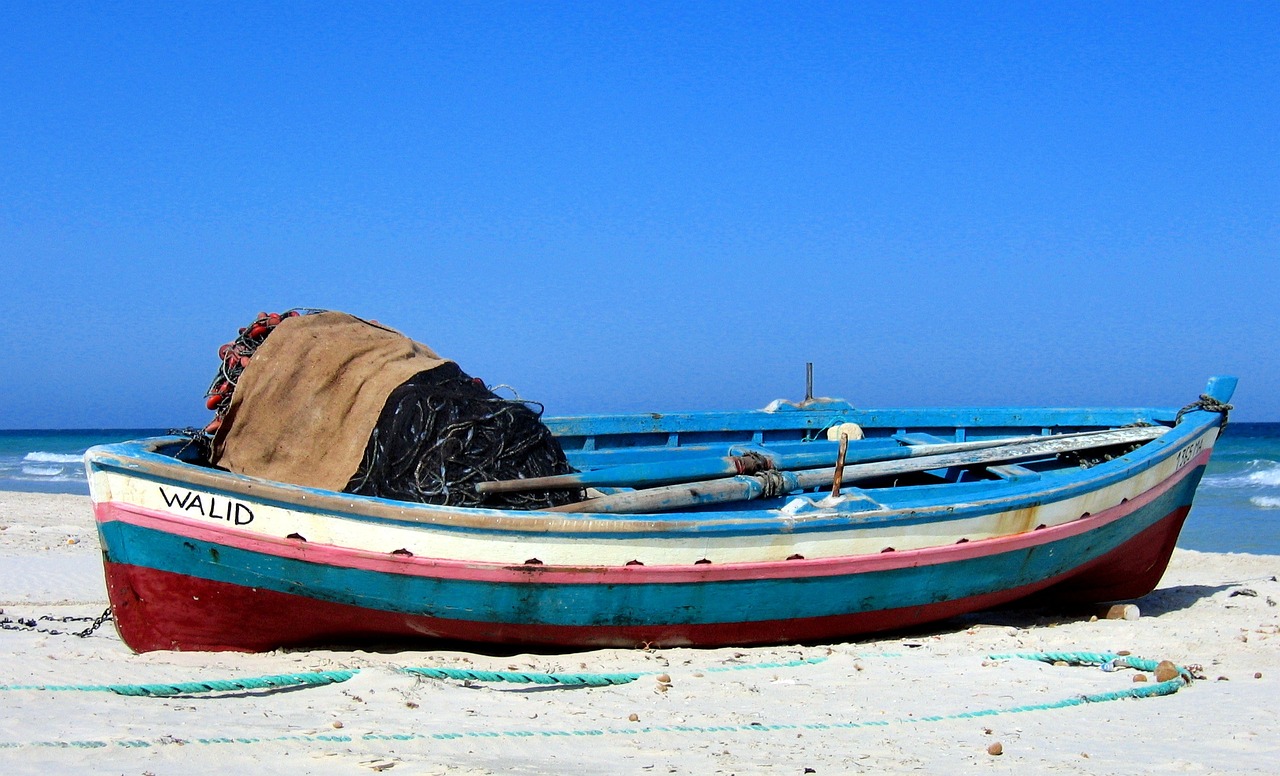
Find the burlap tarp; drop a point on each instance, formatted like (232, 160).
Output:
(304, 408)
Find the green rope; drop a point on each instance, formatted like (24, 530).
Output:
(320, 678)
(1078, 658)
(524, 677)
(1108, 660)
(276, 682)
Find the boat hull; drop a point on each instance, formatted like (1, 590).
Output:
(203, 589)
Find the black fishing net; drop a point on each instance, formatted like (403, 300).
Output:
(442, 432)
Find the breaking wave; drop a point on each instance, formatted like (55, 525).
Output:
(1256, 474)
(40, 456)
(1266, 502)
(42, 471)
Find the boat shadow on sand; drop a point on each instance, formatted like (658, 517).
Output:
(1022, 615)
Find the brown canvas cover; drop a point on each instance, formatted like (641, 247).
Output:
(304, 408)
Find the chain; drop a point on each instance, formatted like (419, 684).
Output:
(32, 624)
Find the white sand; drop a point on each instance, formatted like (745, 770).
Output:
(1216, 610)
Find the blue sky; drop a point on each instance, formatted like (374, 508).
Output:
(647, 207)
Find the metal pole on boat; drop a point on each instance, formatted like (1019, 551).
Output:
(808, 381)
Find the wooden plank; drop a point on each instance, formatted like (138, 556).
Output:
(744, 488)
(654, 473)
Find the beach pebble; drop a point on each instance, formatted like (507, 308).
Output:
(1165, 671)
(338, 724)
(1257, 675)
(995, 749)
(633, 717)
(1139, 677)
(664, 679)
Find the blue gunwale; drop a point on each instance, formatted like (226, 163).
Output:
(909, 506)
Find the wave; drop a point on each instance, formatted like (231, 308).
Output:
(42, 457)
(1257, 474)
(1266, 502)
(42, 471)
(42, 474)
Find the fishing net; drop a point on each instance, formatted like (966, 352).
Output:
(442, 432)
(332, 401)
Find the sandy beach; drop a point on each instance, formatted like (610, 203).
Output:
(933, 701)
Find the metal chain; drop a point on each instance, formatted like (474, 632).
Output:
(31, 624)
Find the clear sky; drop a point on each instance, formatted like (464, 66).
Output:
(655, 206)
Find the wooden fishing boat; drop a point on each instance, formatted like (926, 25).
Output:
(936, 512)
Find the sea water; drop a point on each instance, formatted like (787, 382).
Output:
(1237, 508)
(53, 461)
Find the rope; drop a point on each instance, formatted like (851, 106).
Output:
(1109, 662)
(752, 462)
(277, 682)
(320, 678)
(772, 483)
(1075, 658)
(572, 680)
(1208, 404)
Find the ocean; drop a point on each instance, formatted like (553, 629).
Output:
(1237, 508)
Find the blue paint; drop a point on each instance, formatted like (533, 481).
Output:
(925, 503)
(634, 604)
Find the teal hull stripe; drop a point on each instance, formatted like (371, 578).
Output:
(590, 604)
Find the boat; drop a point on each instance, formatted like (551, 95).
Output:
(807, 521)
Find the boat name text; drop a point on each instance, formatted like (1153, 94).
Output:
(224, 509)
(1187, 453)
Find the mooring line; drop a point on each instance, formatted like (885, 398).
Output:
(321, 678)
(1152, 690)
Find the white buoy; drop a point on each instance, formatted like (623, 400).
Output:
(851, 431)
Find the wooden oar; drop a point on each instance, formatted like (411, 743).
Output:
(644, 475)
(775, 483)
(641, 475)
